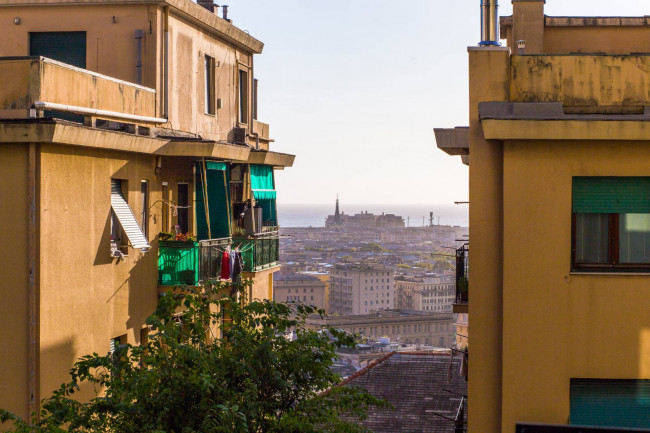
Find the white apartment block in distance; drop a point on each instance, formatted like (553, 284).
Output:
(360, 289)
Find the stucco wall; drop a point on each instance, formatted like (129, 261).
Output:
(558, 325)
(14, 308)
(86, 296)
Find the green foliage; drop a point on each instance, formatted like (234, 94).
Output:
(186, 379)
(374, 247)
(403, 266)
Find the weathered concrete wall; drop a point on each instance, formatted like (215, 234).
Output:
(14, 284)
(596, 39)
(581, 80)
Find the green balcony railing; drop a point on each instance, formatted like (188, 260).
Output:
(187, 263)
(261, 252)
(178, 263)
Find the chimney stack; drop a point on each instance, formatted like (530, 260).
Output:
(208, 4)
(224, 8)
(489, 22)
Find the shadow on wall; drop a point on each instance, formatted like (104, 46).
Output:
(52, 375)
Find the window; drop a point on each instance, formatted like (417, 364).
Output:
(243, 97)
(209, 85)
(611, 224)
(124, 226)
(144, 217)
(183, 202)
(611, 403)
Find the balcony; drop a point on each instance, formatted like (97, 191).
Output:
(39, 83)
(460, 305)
(188, 263)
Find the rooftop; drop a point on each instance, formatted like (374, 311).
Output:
(423, 389)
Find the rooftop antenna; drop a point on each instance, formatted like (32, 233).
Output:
(430, 219)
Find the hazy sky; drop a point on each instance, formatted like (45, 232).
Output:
(354, 89)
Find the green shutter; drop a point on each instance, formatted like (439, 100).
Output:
(217, 181)
(263, 187)
(611, 194)
(66, 47)
(610, 403)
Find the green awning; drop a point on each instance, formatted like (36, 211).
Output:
(217, 211)
(611, 195)
(262, 183)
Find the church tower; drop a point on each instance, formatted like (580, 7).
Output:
(337, 214)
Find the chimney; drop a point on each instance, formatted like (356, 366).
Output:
(489, 22)
(224, 8)
(528, 25)
(208, 4)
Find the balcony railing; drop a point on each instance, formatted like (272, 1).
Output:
(261, 252)
(462, 275)
(210, 254)
(187, 263)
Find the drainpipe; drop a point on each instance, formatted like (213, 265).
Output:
(489, 22)
(139, 35)
(166, 66)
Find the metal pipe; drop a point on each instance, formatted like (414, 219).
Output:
(224, 11)
(139, 35)
(166, 65)
(40, 105)
(489, 22)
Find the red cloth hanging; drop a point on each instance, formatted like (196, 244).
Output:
(225, 265)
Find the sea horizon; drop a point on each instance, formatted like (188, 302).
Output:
(415, 215)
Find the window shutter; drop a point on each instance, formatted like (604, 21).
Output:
(611, 194)
(66, 47)
(610, 403)
(126, 218)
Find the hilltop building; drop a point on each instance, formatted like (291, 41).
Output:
(363, 220)
(360, 289)
(558, 147)
(120, 120)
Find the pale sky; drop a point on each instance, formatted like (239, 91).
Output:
(354, 89)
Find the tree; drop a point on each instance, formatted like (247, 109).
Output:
(255, 378)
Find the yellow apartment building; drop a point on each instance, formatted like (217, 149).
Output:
(558, 148)
(121, 120)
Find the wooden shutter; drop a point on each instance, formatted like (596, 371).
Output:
(611, 195)
(610, 403)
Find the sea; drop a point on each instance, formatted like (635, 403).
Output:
(314, 215)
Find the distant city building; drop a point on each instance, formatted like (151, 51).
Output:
(360, 289)
(306, 289)
(400, 326)
(461, 330)
(429, 292)
(363, 220)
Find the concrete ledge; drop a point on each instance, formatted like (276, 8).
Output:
(453, 141)
(595, 130)
(547, 111)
